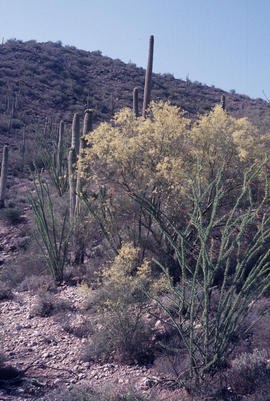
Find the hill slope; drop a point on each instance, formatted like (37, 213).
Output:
(48, 82)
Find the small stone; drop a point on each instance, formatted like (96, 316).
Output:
(19, 327)
(56, 381)
(86, 365)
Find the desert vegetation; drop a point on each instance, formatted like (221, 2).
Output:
(159, 220)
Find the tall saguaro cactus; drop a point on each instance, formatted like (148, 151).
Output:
(135, 102)
(59, 158)
(148, 76)
(87, 127)
(3, 178)
(75, 140)
(72, 183)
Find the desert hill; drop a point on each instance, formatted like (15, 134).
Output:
(42, 83)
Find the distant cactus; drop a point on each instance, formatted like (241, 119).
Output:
(75, 140)
(148, 76)
(135, 102)
(88, 121)
(87, 127)
(22, 149)
(3, 178)
(59, 157)
(72, 183)
(223, 102)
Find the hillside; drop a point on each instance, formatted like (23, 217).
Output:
(48, 82)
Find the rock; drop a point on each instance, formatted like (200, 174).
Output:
(19, 327)
(86, 365)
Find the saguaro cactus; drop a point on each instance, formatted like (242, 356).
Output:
(88, 121)
(148, 76)
(59, 158)
(72, 183)
(3, 178)
(87, 127)
(135, 102)
(22, 149)
(75, 140)
(223, 102)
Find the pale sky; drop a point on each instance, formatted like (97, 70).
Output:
(225, 43)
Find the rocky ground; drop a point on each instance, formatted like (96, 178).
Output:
(45, 355)
(51, 356)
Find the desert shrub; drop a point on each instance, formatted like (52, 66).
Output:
(36, 283)
(151, 157)
(25, 265)
(88, 394)
(121, 304)
(249, 372)
(5, 291)
(69, 323)
(129, 154)
(211, 247)
(46, 304)
(11, 216)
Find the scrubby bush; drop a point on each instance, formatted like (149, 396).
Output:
(88, 394)
(46, 304)
(11, 216)
(5, 291)
(121, 305)
(249, 372)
